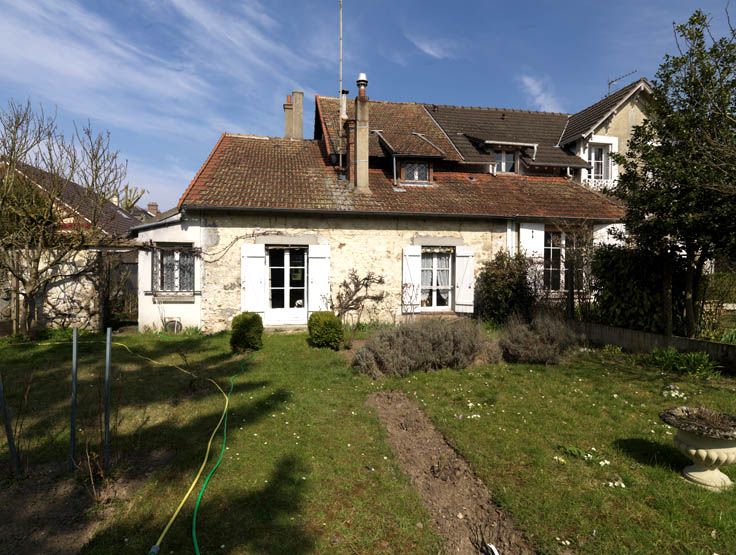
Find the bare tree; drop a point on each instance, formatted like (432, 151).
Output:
(54, 193)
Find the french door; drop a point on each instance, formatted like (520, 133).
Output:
(286, 285)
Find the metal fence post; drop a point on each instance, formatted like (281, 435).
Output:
(108, 349)
(73, 419)
(15, 461)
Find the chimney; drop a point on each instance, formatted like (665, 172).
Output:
(294, 115)
(288, 118)
(153, 208)
(359, 146)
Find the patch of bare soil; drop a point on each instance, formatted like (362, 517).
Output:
(51, 511)
(460, 505)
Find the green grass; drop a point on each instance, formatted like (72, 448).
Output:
(306, 469)
(528, 415)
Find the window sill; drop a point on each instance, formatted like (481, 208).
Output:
(169, 297)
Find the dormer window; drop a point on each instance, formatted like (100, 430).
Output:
(600, 161)
(415, 172)
(505, 161)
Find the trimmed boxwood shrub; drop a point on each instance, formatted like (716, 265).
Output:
(247, 332)
(325, 330)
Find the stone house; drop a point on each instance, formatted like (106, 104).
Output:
(83, 284)
(418, 194)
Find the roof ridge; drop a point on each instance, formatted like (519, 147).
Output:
(266, 137)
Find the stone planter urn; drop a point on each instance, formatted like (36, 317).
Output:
(708, 438)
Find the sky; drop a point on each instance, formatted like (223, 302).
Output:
(167, 77)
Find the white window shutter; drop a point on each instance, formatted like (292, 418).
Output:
(464, 278)
(411, 281)
(318, 292)
(252, 278)
(531, 239)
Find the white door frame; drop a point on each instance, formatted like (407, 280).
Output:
(287, 315)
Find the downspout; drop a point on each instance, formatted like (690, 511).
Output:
(393, 156)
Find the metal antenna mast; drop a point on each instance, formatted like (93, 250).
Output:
(339, 93)
(615, 80)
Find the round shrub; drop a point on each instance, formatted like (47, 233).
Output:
(247, 332)
(325, 330)
(502, 288)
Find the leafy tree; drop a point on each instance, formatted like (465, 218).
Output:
(678, 188)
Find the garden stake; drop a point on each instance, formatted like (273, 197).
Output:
(73, 422)
(108, 350)
(9, 431)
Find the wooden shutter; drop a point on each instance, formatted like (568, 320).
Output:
(531, 239)
(253, 279)
(411, 280)
(318, 291)
(464, 278)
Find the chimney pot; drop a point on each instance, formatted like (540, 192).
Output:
(362, 83)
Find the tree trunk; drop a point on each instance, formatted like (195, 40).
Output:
(690, 281)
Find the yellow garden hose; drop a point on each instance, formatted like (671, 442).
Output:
(157, 546)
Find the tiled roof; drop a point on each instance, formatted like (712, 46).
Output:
(112, 219)
(588, 118)
(401, 128)
(469, 127)
(245, 172)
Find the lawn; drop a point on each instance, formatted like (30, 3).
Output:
(539, 437)
(306, 468)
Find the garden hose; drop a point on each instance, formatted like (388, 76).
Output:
(214, 468)
(223, 418)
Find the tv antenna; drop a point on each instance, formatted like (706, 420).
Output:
(616, 79)
(342, 95)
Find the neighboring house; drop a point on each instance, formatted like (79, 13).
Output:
(419, 194)
(83, 300)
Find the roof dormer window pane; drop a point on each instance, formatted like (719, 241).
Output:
(505, 161)
(416, 171)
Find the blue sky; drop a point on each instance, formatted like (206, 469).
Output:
(166, 77)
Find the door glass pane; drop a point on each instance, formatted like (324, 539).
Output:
(277, 298)
(277, 277)
(276, 258)
(296, 298)
(296, 277)
(297, 257)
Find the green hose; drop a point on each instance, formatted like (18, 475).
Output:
(214, 468)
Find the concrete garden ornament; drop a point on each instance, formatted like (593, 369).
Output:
(709, 439)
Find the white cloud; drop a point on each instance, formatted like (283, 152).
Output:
(540, 94)
(437, 48)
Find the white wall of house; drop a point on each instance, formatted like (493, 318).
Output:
(154, 309)
(232, 276)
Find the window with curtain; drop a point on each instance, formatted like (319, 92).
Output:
(416, 171)
(173, 268)
(552, 260)
(505, 161)
(437, 281)
(599, 160)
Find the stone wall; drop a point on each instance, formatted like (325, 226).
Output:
(361, 243)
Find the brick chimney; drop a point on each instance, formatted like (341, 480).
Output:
(153, 208)
(294, 115)
(359, 138)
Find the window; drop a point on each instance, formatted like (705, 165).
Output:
(552, 260)
(505, 161)
(436, 291)
(574, 259)
(599, 160)
(416, 171)
(173, 268)
(287, 269)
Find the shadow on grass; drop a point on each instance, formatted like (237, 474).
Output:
(652, 453)
(265, 520)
